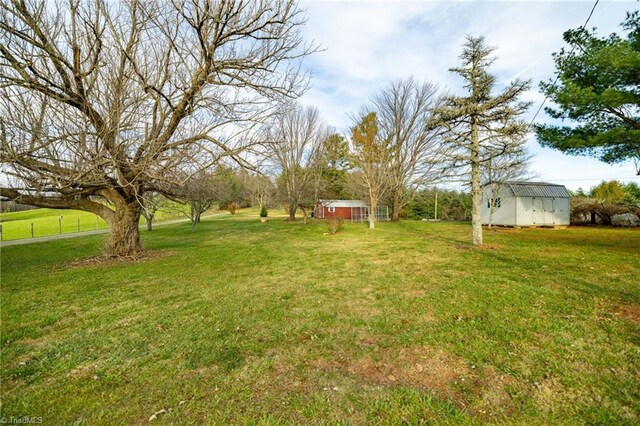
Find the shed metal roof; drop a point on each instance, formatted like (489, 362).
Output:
(538, 189)
(342, 203)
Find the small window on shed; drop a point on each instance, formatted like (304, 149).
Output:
(331, 209)
(493, 202)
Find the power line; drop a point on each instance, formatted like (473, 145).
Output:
(584, 26)
(598, 178)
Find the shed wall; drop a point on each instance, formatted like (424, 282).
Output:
(525, 210)
(503, 215)
(542, 211)
(341, 212)
(322, 212)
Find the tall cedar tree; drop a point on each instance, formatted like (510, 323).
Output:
(598, 87)
(481, 127)
(370, 154)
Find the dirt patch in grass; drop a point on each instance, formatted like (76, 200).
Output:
(608, 310)
(84, 371)
(481, 391)
(629, 312)
(550, 395)
(410, 367)
(35, 343)
(104, 260)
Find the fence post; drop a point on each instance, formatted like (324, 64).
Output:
(0, 232)
(78, 224)
(97, 224)
(32, 230)
(60, 225)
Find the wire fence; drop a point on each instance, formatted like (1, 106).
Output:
(361, 214)
(49, 226)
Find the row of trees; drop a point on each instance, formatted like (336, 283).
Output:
(612, 192)
(604, 201)
(106, 105)
(102, 102)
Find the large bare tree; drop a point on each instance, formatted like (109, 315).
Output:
(404, 109)
(102, 101)
(481, 127)
(295, 146)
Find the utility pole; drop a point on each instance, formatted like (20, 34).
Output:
(436, 206)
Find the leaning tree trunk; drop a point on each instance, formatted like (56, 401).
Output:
(125, 235)
(304, 213)
(476, 190)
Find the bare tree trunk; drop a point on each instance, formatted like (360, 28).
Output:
(492, 207)
(396, 206)
(192, 216)
(476, 190)
(148, 217)
(372, 211)
(292, 212)
(125, 236)
(304, 212)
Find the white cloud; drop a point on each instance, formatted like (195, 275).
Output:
(369, 43)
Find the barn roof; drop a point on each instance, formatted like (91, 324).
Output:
(537, 189)
(342, 203)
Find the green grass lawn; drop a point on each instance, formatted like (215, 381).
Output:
(279, 323)
(17, 225)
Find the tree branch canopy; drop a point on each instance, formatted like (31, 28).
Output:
(117, 98)
(598, 91)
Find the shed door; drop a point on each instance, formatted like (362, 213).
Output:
(548, 211)
(538, 211)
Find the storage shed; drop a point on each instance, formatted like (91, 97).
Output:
(338, 208)
(518, 203)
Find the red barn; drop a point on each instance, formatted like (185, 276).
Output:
(340, 208)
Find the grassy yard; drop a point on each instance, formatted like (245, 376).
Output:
(17, 225)
(280, 323)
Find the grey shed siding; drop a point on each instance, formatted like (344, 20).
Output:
(527, 204)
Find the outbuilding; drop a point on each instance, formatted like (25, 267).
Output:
(520, 203)
(339, 208)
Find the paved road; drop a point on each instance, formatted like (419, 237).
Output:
(99, 231)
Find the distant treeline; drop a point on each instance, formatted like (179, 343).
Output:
(602, 202)
(452, 205)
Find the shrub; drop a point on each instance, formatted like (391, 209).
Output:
(334, 224)
(263, 211)
(589, 210)
(232, 207)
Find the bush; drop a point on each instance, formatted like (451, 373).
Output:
(263, 211)
(232, 207)
(589, 210)
(334, 224)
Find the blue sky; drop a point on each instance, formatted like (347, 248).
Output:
(368, 43)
